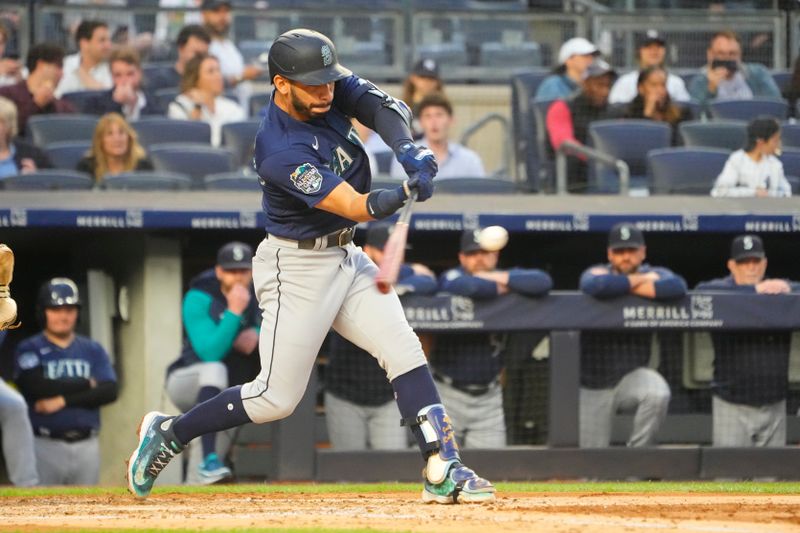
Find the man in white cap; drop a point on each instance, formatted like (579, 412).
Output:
(652, 51)
(574, 57)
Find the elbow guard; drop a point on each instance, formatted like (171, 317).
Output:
(395, 104)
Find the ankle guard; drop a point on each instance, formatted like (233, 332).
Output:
(441, 439)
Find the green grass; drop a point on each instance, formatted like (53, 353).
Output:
(375, 488)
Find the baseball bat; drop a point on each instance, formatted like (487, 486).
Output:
(395, 248)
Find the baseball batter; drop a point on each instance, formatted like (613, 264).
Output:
(308, 274)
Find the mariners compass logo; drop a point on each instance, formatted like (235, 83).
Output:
(327, 55)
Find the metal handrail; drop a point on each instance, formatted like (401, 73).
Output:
(504, 124)
(574, 149)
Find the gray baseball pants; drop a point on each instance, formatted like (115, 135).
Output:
(17, 438)
(479, 420)
(68, 463)
(302, 293)
(642, 389)
(360, 427)
(743, 426)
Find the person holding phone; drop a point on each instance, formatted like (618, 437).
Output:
(726, 77)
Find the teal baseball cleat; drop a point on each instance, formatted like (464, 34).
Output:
(157, 446)
(461, 485)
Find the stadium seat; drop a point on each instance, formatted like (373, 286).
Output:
(790, 135)
(628, 140)
(685, 170)
(151, 70)
(66, 154)
(257, 102)
(468, 185)
(252, 49)
(794, 181)
(233, 181)
(364, 53)
(791, 162)
(544, 154)
(48, 179)
(240, 138)
(523, 87)
(384, 160)
(166, 96)
(728, 134)
(497, 55)
(82, 99)
(695, 109)
(452, 54)
(156, 130)
(748, 109)
(782, 78)
(45, 129)
(193, 160)
(148, 181)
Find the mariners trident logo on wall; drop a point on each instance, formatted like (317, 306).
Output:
(327, 55)
(307, 178)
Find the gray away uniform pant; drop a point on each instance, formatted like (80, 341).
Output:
(742, 426)
(352, 426)
(17, 438)
(301, 294)
(479, 421)
(68, 463)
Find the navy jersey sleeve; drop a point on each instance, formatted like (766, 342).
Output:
(347, 92)
(669, 285)
(101, 364)
(529, 281)
(457, 282)
(300, 173)
(597, 281)
(416, 283)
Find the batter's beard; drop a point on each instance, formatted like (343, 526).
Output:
(304, 109)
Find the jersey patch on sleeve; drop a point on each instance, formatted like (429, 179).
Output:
(28, 360)
(306, 178)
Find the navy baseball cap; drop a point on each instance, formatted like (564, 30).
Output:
(746, 247)
(469, 241)
(426, 67)
(625, 235)
(652, 37)
(235, 256)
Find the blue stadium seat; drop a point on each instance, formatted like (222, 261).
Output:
(66, 154)
(782, 78)
(523, 88)
(364, 53)
(156, 130)
(791, 162)
(790, 135)
(232, 181)
(82, 99)
(148, 181)
(257, 102)
(151, 70)
(694, 108)
(191, 159)
(544, 156)
(166, 96)
(45, 129)
(727, 134)
(748, 109)
(384, 160)
(629, 140)
(240, 138)
(252, 49)
(685, 170)
(469, 185)
(497, 55)
(48, 179)
(794, 181)
(452, 54)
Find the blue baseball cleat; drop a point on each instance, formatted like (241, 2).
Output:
(157, 446)
(461, 485)
(212, 470)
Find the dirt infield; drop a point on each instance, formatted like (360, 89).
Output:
(402, 511)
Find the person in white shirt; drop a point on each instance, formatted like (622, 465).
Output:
(201, 97)
(435, 114)
(217, 21)
(11, 70)
(755, 170)
(88, 70)
(652, 51)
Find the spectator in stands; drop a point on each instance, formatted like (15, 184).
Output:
(201, 97)
(217, 21)
(10, 68)
(16, 155)
(221, 321)
(792, 91)
(115, 149)
(755, 170)
(17, 446)
(574, 58)
(423, 80)
(36, 94)
(614, 364)
(360, 410)
(126, 97)
(467, 367)
(88, 69)
(652, 51)
(653, 100)
(726, 77)
(568, 119)
(455, 160)
(751, 369)
(65, 379)
(192, 40)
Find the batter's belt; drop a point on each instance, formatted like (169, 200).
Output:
(337, 238)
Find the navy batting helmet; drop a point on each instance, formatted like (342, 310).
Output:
(57, 292)
(306, 56)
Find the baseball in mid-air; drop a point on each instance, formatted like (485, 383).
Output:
(493, 238)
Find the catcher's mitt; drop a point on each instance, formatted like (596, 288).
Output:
(8, 307)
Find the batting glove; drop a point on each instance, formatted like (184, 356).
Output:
(421, 167)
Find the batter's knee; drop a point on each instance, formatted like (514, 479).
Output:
(213, 374)
(267, 405)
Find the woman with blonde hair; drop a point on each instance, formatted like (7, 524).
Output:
(115, 149)
(201, 98)
(16, 155)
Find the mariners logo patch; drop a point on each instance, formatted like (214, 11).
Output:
(307, 178)
(327, 55)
